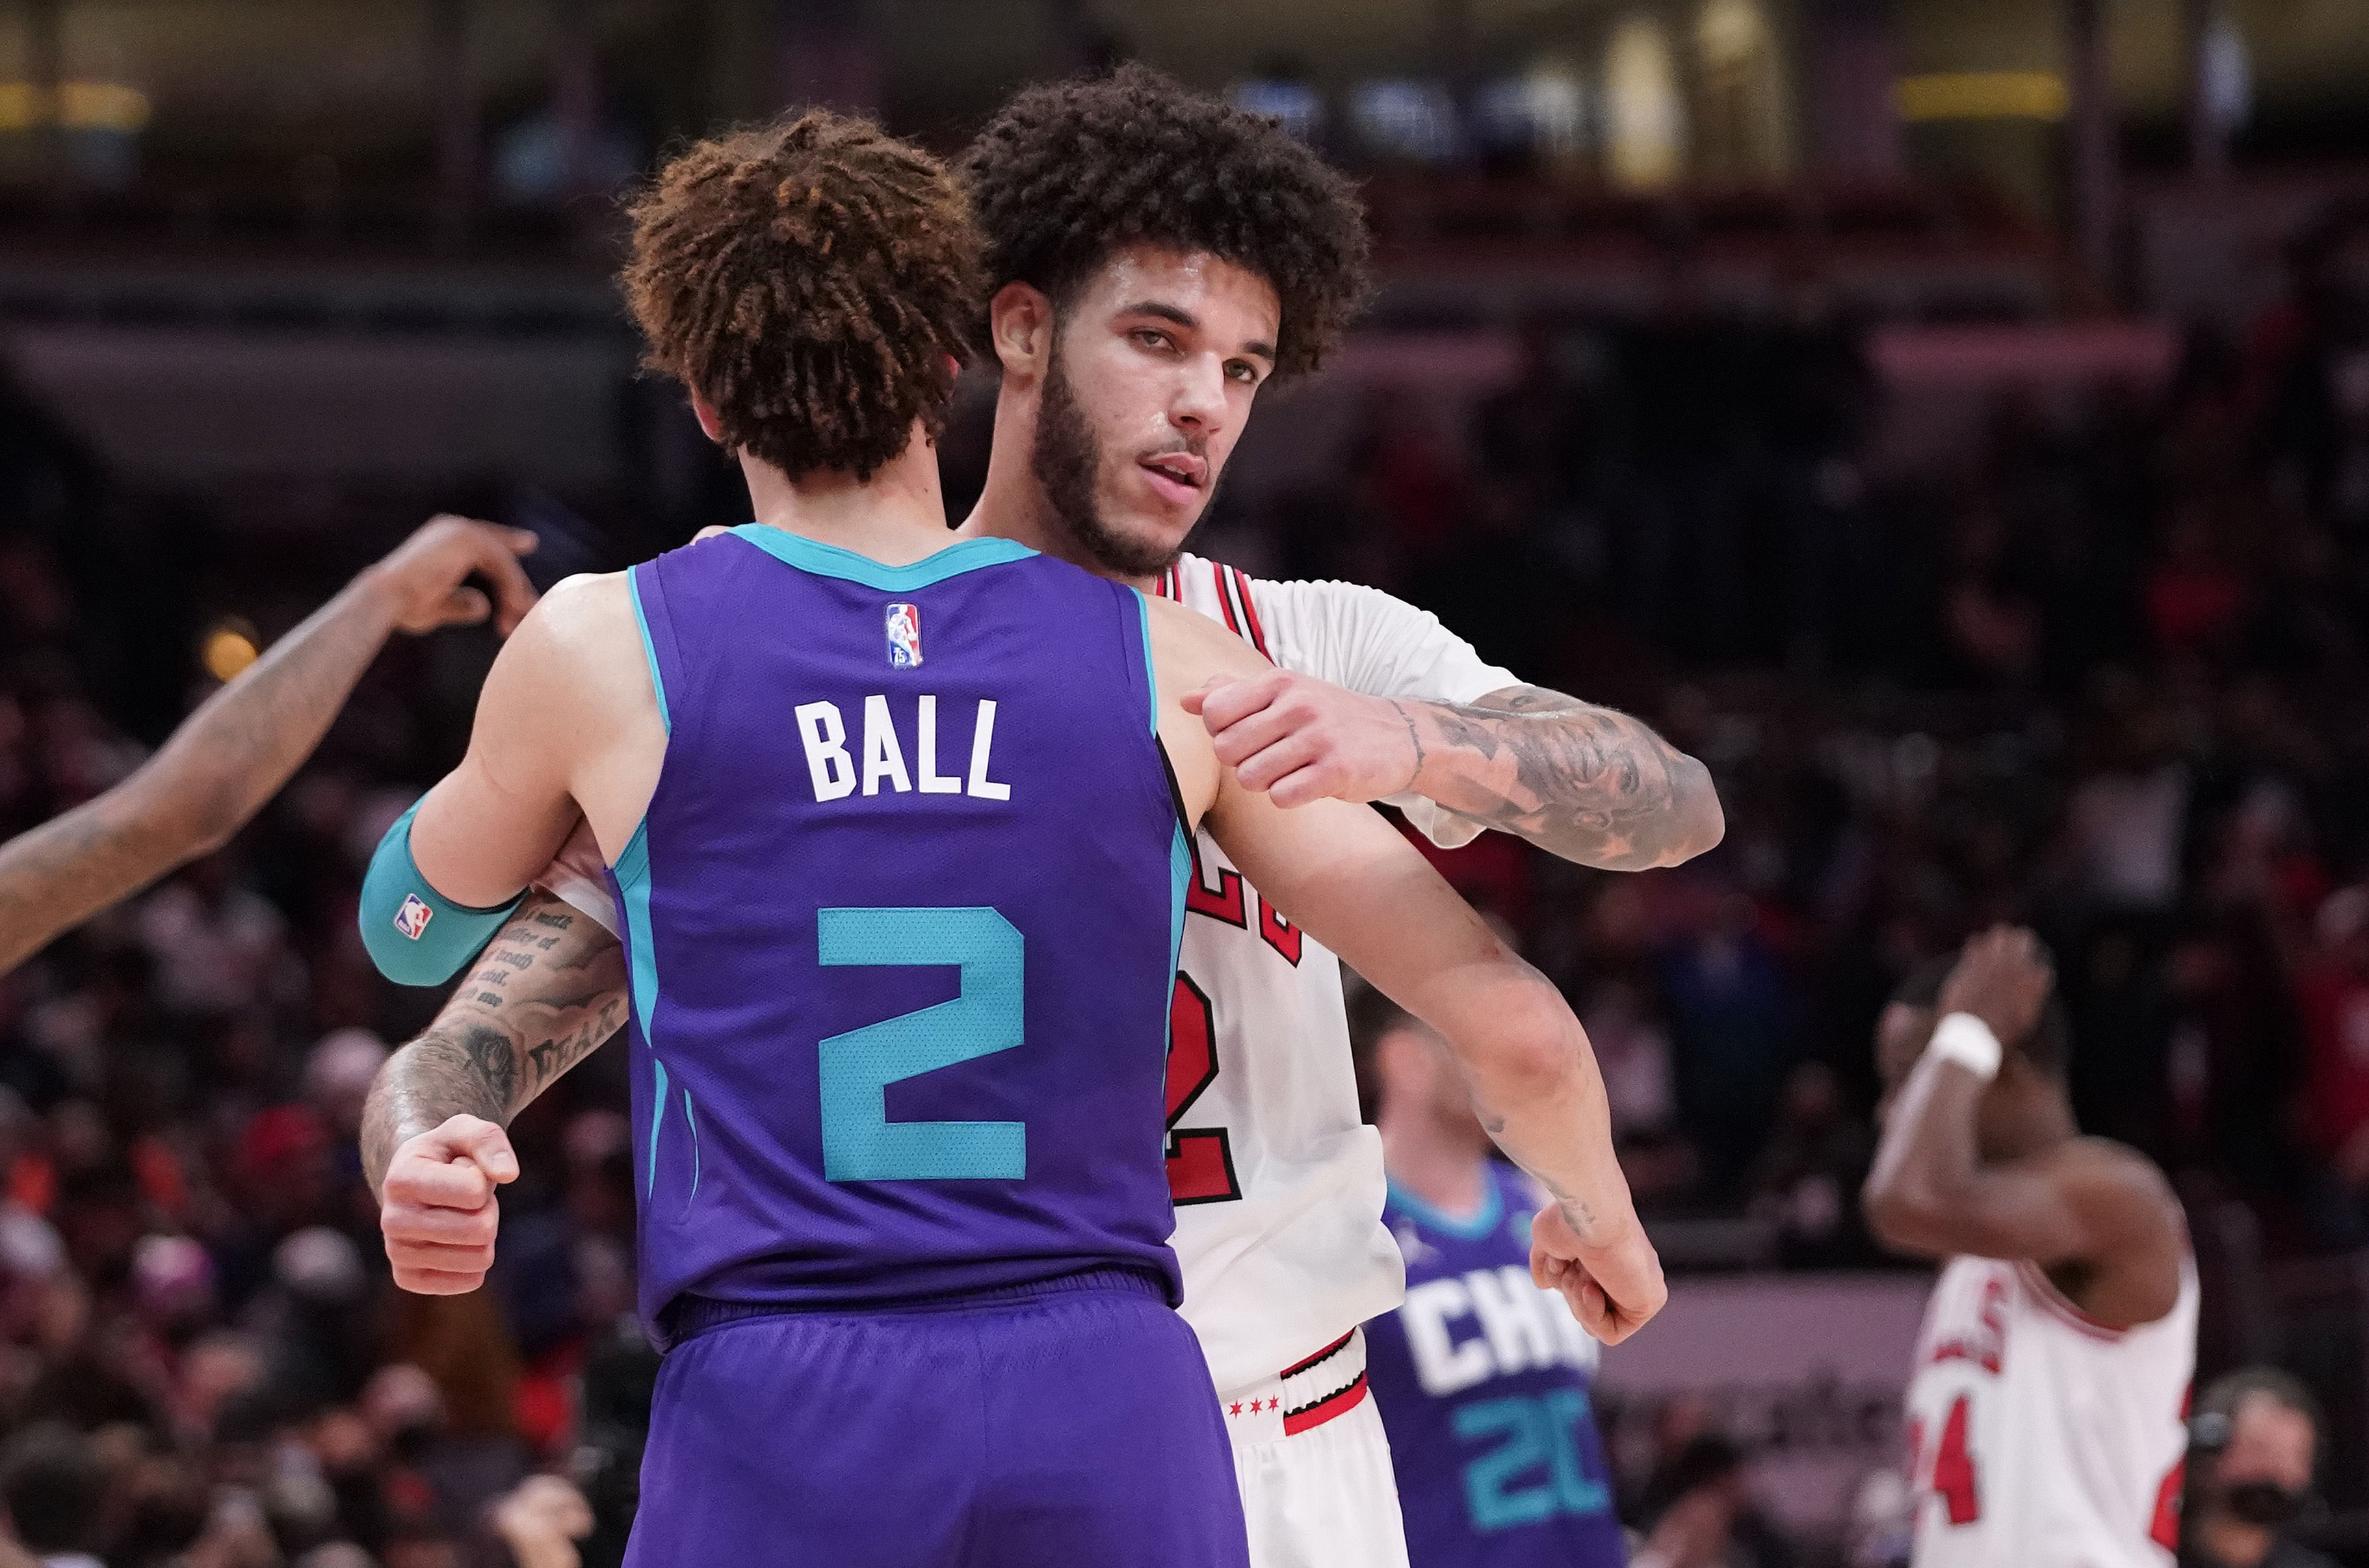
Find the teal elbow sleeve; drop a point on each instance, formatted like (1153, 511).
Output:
(415, 934)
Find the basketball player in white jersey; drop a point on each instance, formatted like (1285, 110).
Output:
(1158, 256)
(2046, 1415)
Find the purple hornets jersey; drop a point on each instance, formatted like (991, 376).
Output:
(902, 922)
(1483, 1380)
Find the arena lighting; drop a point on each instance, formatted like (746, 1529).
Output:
(82, 106)
(228, 649)
(1983, 95)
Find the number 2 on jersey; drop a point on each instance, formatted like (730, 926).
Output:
(1201, 1161)
(859, 1142)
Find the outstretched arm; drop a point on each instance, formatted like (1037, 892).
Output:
(1585, 782)
(235, 753)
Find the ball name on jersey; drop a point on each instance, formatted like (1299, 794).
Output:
(1522, 1329)
(836, 773)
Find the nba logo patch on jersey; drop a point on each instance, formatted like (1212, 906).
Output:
(412, 918)
(904, 636)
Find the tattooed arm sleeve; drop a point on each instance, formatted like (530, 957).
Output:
(1588, 784)
(545, 993)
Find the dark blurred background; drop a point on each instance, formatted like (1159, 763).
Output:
(1949, 418)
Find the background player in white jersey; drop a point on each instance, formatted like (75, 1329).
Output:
(1160, 257)
(2046, 1411)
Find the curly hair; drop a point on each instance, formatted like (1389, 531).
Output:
(809, 278)
(1068, 172)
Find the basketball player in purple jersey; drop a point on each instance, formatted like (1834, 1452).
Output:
(903, 1214)
(1122, 307)
(1482, 1379)
(235, 753)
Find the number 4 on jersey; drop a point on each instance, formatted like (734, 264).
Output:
(1201, 1161)
(1953, 1475)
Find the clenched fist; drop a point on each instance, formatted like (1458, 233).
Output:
(1613, 1288)
(436, 1207)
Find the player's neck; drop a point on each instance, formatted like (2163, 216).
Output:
(897, 517)
(1012, 505)
(1446, 1171)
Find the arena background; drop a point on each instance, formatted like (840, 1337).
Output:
(1949, 418)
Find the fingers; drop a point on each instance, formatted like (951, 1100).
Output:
(474, 1138)
(497, 559)
(436, 1282)
(414, 1182)
(1239, 739)
(1269, 765)
(421, 1225)
(437, 1210)
(1223, 704)
(1594, 1309)
(1299, 788)
(464, 607)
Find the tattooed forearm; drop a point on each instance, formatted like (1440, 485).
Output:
(460, 1069)
(1585, 782)
(548, 992)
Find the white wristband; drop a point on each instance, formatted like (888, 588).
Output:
(1965, 1039)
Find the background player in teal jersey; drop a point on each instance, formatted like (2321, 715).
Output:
(1482, 1378)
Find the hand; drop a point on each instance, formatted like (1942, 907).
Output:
(1614, 1288)
(1301, 739)
(542, 1521)
(2003, 977)
(437, 1209)
(423, 576)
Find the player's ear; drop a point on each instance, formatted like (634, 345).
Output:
(708, 421)
(1020, 324)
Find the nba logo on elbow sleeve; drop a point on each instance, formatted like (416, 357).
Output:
(904, 636)
(412, 918)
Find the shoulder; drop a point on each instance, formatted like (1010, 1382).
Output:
(1189, 648)
(583, 625)
(589, 601)
(2128, 1206)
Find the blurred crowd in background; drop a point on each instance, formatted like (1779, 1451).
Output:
(2105, 675)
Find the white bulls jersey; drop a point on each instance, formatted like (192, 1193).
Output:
(1278, 1184)
(2040, 1437)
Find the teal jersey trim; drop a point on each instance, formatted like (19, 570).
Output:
(415, 934)
(658, 1125)
(1150, 673)
(1180, 876)
(691, 1122)
(633, 874)
(649, 648)
(831, 561)
(1472, 1228)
